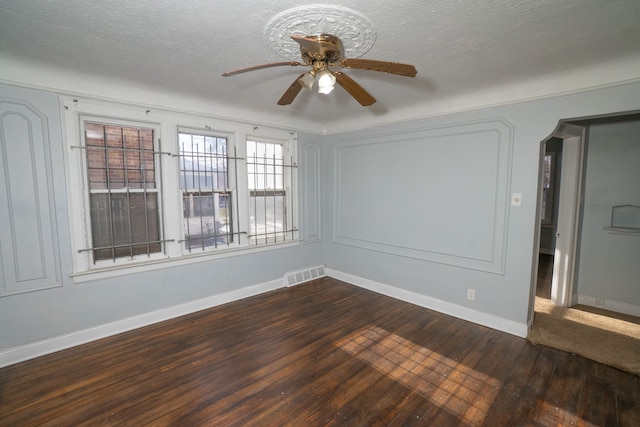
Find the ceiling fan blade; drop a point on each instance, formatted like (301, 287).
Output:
(354, 89)
(383, 66)
(291, 92)
(260, 67)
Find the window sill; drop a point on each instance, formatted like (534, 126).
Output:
(142, 266)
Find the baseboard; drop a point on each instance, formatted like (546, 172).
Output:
(611, 305)
(51, 345)
(465, 313)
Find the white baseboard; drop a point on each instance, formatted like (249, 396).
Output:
(51, 345)
(465, 313)
(611, 305)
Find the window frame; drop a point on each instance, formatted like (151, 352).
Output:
(88, 250)
(289, 171)
(166, 124)
(230, 188)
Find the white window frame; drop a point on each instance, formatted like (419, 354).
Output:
(166, 124)
(231, 187)
(80, 195)
(291, 231)
(89, 192)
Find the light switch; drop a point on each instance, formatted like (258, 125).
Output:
(516, 199)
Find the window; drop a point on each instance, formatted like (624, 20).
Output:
(269, 175)
(547, 188)
(123, 190)
(137, 201)
(206, 200)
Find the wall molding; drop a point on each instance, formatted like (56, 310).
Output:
(464, 313)
(30, 259)
(40, 348)
(311, 182)
(383, 176)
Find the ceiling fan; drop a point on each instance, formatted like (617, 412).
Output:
(324, 51)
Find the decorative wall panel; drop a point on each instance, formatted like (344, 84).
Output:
(311, 182)
(438, 194)
(28, 239)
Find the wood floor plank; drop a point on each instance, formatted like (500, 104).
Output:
(321, 353)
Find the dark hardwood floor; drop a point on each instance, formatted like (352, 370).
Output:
(321, 353)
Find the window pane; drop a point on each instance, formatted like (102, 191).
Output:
(545, 194)
(126, 160)
(546, 167)
(206, 201)
(267, 213)
(268, 199)
(265, 165)
(123, 223)
(207, 219)
(547, 188)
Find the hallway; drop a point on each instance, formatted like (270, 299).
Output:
(545, 276)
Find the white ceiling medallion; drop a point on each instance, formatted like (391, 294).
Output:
(352, 27)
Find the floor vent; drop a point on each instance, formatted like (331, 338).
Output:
(297, 277)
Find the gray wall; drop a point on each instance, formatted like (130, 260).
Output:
(41, 305)
(421, 209)
(609, 267)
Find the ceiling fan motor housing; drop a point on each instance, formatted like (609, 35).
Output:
(324, 47)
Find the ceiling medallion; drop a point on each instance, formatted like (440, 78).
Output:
(352, 27)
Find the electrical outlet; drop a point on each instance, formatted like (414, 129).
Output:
(471, 294)
(599, 301)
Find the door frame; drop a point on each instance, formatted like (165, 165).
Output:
(569, 205)
(569, 209)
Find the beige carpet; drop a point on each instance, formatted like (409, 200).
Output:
(612, 341)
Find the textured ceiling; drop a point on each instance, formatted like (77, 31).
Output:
(458, 46)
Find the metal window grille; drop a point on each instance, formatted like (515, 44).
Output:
(207, 201)
(269, 172)
(123, 191)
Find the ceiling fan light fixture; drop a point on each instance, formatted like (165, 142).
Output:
(320, 49)
(326, 81)
(308, 79)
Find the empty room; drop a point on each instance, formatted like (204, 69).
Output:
(356, 213)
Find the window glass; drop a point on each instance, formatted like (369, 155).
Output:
(206, 199)
(547, 189)
(267, 181)
(123, 195)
